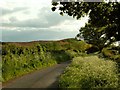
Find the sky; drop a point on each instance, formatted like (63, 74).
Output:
(32, 20)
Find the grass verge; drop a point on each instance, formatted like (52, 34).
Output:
(90, 72)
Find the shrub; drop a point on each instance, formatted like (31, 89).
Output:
(31, 58)
(0, 70)
(72, 53)
(112, 54)
(107, 53)
(90, 72)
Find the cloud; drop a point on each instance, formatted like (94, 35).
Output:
(13, 19)
(32, 35)
(10, 11)
(46, 18)
(29, 20)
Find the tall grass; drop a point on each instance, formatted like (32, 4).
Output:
(90, 72)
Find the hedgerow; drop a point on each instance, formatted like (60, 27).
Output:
(19, 59)
(90, 72)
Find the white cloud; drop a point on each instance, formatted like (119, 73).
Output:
(71, 25)
(25, 3)
(22, 16)
(32, 5)
(19, 30)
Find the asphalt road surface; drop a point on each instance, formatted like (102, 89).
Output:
(45, 78)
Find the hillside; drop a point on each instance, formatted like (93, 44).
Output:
(72, 44)
(40, 41)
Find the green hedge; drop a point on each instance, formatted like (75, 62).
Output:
(90, 72)
(21, 58)
(17, 60)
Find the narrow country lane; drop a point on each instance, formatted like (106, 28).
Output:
(46, 78)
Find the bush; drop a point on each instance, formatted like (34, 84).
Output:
(90, 72)
(111, 53)
(107, 53)
(31, 58)
(72, 53)
(0, 70)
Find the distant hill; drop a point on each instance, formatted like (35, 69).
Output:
(40, 41)
(65, 44)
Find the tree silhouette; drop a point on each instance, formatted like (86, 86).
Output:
(104, 20)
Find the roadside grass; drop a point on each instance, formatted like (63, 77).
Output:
(90, 72)
(0, 70)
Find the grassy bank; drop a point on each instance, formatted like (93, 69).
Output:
(90, 72)
(22, 58)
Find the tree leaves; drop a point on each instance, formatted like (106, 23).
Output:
(102, 15)
(55, 3)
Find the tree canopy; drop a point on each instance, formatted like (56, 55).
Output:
(104, 20)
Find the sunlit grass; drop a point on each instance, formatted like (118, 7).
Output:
(90, 72)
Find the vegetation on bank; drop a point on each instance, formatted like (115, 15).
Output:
(112, 53)
(21, 58)
(85, 71)
(90, 72)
